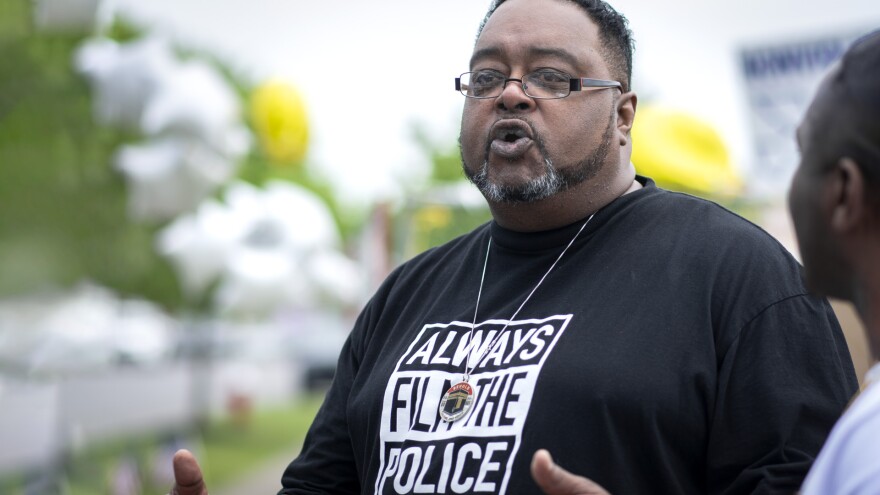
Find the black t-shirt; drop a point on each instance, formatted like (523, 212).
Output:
(673, 349)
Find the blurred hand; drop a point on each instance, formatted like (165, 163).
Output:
(554, 480)
(187, 475)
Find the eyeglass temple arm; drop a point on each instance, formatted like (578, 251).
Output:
(578, 84)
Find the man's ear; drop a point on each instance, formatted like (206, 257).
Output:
(846, 195)
(626, 115)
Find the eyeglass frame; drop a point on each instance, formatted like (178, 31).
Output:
(575, 84)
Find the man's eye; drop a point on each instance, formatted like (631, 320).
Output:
(549, 77)
(486, 78)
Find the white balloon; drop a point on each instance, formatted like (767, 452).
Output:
(168, 176)
(266, 248)
(125, 77)
(193, 100)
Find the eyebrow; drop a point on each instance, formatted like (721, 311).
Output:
(495, 52)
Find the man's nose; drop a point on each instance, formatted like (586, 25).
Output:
(513, 96)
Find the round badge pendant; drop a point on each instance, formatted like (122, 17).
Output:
(456, 402)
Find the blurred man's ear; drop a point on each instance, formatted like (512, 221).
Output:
(847, 197)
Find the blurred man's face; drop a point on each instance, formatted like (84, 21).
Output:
(811, 197)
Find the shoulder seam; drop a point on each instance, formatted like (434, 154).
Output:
(761, 312)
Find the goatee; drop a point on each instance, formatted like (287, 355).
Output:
(550, 182)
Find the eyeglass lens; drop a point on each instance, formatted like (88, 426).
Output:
(539, 84)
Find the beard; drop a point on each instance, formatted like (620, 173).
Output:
(551, 181)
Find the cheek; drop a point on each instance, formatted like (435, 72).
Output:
(803, 202)
(810, 231)
(562, 136)
(798, 206)
(580, 130)
(472, 132)
(795, 192)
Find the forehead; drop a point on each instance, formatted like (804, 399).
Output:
(523, 30)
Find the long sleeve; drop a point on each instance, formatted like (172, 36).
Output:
(326, 464)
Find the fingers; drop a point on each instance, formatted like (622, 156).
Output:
(555, 480)
(187, 475)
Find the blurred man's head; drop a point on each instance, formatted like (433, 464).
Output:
(835, 194)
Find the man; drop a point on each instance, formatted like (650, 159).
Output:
(835, 204)
(650, 341)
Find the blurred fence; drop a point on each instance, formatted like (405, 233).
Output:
(40, 421)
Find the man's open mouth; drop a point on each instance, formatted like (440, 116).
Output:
(510, 138)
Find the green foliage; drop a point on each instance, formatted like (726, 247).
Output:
(62, 207)
(424, 223)
(14, 19)
(424, 226)
(445, 158)
(123, 31)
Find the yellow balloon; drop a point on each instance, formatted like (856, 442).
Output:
(680, 151)
(278, 112)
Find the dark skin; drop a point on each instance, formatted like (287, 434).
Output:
(835, 213)
(516, 41)
(187, 475)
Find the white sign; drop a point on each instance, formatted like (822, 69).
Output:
(780, 82)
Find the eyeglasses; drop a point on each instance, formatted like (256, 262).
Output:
(543, 84)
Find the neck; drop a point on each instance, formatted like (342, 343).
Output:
(563, 208)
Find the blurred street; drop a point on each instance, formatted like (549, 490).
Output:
(265, 480)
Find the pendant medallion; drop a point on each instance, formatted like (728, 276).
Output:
(456, 402)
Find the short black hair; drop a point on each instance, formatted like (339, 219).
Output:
(614, 32)
(855, 88)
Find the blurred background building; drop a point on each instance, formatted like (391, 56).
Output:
(197, 198)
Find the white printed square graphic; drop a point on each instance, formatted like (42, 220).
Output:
(421, 453)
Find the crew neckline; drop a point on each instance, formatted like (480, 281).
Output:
(556, 238)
